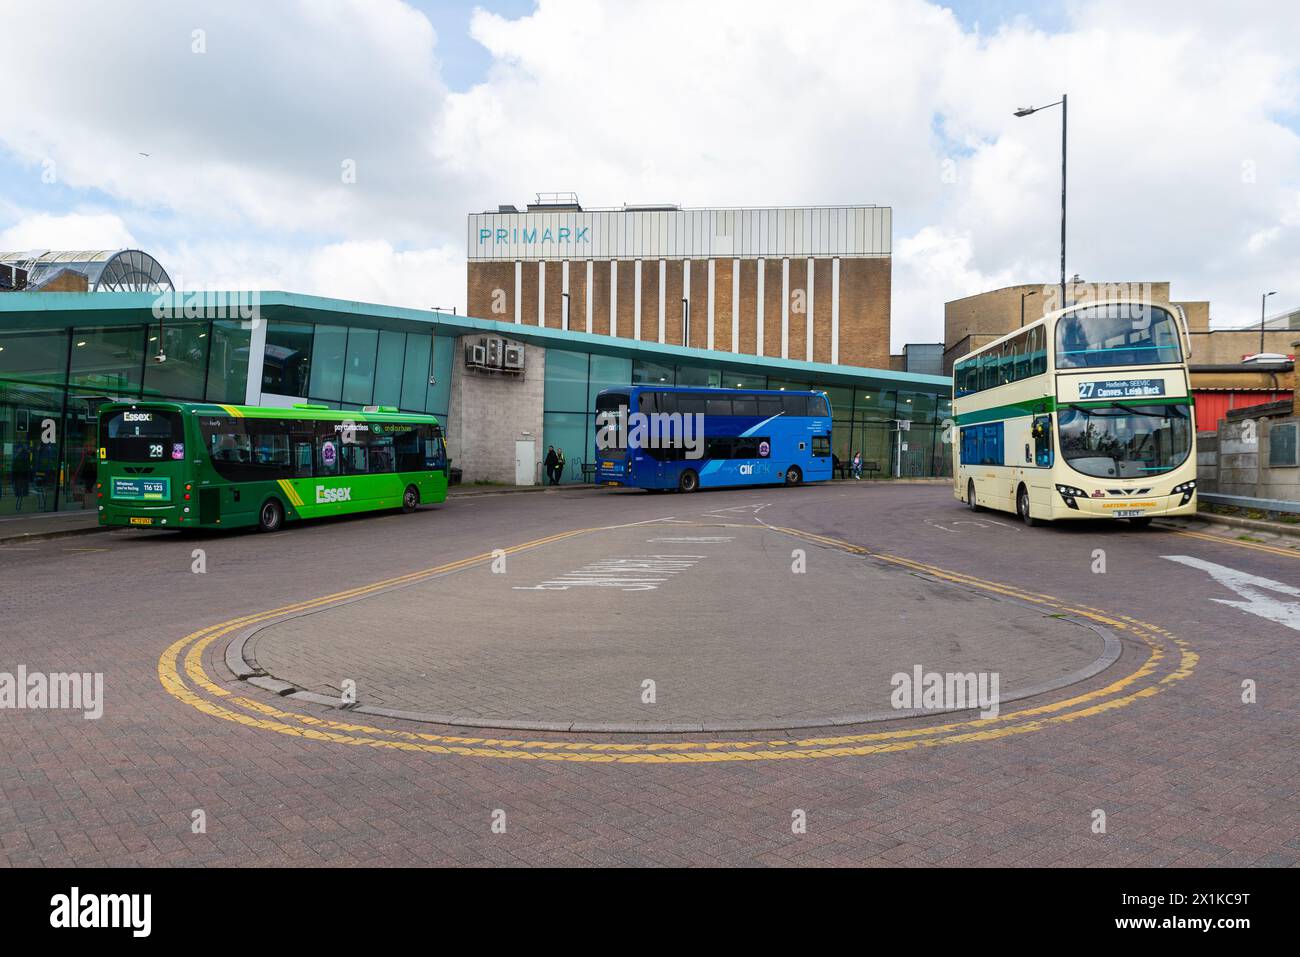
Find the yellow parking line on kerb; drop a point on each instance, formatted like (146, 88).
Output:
(208, 697)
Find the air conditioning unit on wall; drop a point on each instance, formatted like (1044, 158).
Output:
(475, 353)
(494, 349)
(514, 358)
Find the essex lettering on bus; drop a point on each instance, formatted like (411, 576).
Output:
(137, 416)
(326, 495)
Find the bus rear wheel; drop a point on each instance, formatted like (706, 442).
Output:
(410, 499)
(1022, 506)
(970, 496)
(793, 476)
(689, 481)
(270, 518)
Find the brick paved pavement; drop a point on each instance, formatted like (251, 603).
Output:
(1189, 776)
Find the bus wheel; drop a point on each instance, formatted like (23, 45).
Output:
(793, 476)
(271, 517)
(970, 496)
(410, 499)
(689, 481)
(1022, 506)
(1140, 522)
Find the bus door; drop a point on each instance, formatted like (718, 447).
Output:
(1040, 477)
(820, 464)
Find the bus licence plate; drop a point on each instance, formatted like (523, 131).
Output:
(137, 520)
(1127, 512)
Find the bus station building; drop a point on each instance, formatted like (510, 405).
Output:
(506, 391)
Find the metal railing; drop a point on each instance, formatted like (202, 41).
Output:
(1245, 501)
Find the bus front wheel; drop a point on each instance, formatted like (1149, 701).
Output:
(271, 516)
(793, 476)
(970, 496)
(689, 481)
(410, 499)
(1022, 506)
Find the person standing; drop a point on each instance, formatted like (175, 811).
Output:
(550, 463)
(21, 472)
(857, 465)
(559, 466)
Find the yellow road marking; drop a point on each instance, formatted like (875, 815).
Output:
(268, 717)
(1257, 546)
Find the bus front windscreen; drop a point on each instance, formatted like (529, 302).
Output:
(1116, 334)
(141, 435)
(1125, 441)
(611, 430)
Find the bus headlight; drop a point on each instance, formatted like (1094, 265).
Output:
(1187, 488)
(1069, 493)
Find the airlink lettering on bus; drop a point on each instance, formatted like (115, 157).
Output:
(736, 437)
(183, 465)
(1085, 413)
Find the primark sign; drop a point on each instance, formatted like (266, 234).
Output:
(532, 235)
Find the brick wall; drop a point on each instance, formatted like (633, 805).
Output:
(864, 303)
(864, 312)
(823, 290)
(484, 280)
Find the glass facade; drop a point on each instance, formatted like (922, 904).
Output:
(52, 382)
(862, 418)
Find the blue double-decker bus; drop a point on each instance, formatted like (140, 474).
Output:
(679, 437)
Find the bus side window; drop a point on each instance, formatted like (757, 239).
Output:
(769, 405)
(1042, 433)
(302, 456)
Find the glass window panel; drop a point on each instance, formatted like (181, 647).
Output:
(286, 362)
(228, 361)
(111, 360)
(743, 380)
(438, 397)
(359, 374)
(874, 405)
(841, 400)
(574, 434)
(917, 406)
(34, 357)
(329, 349)
(566, 381)
(415, 373)
(181, 376)
(606, 372)
(388, 368)
(28, 467)
(651, 373)
(699, 375)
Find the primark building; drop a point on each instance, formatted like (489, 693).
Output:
(563, 302)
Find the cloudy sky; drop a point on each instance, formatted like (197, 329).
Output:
(1184, 134)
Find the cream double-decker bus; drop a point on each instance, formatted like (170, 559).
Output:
(1084, 413)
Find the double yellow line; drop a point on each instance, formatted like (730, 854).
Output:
(206, 696)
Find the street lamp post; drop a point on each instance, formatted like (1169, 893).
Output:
(1262, 300)
(1026, 111)
(1023, 296)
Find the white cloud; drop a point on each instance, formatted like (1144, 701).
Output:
(1180, 167)
(69, 231)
